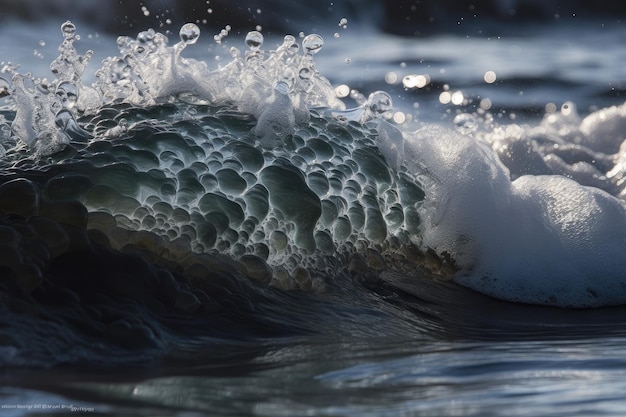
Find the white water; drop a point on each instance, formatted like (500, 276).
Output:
(519, 232)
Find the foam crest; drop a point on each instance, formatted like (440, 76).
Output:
(539, 239)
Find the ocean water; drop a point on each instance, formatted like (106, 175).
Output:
(338, 212)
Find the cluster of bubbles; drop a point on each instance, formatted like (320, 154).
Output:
(257, 159)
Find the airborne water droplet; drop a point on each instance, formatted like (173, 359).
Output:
(254, 40)
(68, 29)
(189, 33)
(312, 43)
(465, 123)
(379, 102)
(4, 87)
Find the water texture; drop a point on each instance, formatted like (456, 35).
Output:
(229, 219)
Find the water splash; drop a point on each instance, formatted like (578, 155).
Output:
(148, 71)
(287, 176)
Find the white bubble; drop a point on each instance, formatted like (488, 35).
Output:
(444, 97)
(415, 81)
(457, 98)
(342, 91)
(489, 77)
(568, 108)
(485, 104)
(399, 117)
(391, 77)
(465, 123)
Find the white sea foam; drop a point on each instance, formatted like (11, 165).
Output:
(538, 239)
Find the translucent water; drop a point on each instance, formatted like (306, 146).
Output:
(276, 234)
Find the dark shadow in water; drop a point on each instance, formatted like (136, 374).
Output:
(464, 314)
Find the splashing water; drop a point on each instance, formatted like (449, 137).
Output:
(263, 163)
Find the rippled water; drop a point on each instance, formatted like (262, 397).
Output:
(378, 346)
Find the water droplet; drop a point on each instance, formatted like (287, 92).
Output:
(68, 29)
(465, 123)
(189, 33)
(305, 74)
(379, 102)
(234, 52)
(254, 40)
(312, 43)
(4, 87)
(281, 87)
(68, 94)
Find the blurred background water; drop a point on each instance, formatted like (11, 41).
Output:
(384, 353)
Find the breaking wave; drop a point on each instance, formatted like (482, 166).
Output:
(169, 197)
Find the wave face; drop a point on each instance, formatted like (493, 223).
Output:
(165, 195)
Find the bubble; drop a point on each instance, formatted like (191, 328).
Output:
(342, 91)
(304, 74)
(281, 87)
(485, 104)
(343, 22)
(189, 33)
(379, 102)
(68, 94)
(391, 77)
(4, 87)
(68, 29)
(254, 40)
(457, 98)
(312, 43)
(465, 123)
(568, 108)
(415, 81)
(490, 77)
(399, 117)
(444, 97)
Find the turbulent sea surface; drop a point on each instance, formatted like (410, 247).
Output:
(317, 217)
